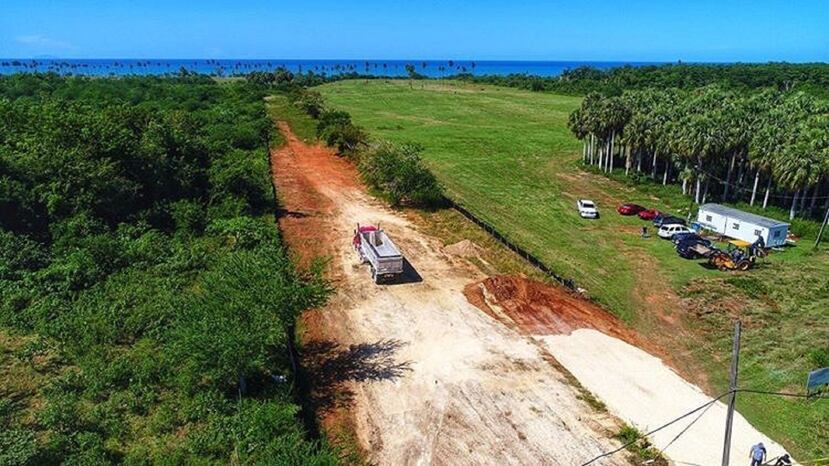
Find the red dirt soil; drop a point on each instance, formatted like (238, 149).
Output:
(537, 308)
(299, 184)
(301, 174)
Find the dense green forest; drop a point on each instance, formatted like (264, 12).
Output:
(765, 148)
(147, 305)
(808, 77)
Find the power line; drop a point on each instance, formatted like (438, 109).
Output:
(746, 190)
(673, 421)
(788, 394)
(686, 428)
(702, 408)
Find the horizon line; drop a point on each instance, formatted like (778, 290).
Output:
(817, 62)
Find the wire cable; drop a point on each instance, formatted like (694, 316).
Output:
(686, 428)
(746, 190)
(663, 426)
(788, 394)
(702, 408)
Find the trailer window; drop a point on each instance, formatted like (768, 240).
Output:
(777, 233)
(735, 226)
(758, 233)
(708, 218)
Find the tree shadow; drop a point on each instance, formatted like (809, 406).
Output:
(330, 365)
(280, 212)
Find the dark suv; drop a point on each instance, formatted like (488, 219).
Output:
(665, 219)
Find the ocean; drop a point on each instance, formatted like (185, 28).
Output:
(391, 68)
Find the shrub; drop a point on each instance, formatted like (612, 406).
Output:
(17, 447)
(311, 102)
(397, 171)
(244, 232)
(337, 130)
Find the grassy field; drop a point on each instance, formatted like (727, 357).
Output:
(507, 155)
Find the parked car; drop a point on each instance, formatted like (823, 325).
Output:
(630, 209)
(687, 248)
(587, 208)
(648, 214)
(668, 230)
(667, 219)
(683, 236)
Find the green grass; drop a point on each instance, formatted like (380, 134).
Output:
(280, 108)
(508, 157)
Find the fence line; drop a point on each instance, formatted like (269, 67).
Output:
(526, 255)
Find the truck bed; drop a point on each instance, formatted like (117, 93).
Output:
(381, 252)
(385, 249)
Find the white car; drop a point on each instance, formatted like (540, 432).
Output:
(587, 208)
(668, 231)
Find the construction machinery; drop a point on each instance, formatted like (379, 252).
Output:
(740, 255)
(375, 247)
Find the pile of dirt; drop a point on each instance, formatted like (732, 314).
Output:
(538, 308)
(464, 248)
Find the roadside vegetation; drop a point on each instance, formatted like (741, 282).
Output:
(147, 305)
(394, 171)
(508, 156)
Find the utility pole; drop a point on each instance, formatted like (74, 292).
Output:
(735, 361)
(822, 227)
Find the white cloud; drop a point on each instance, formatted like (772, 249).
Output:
(43, 42)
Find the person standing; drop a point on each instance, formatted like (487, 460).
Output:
(757, 454)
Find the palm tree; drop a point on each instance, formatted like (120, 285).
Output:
(800, 166)
(577, 125)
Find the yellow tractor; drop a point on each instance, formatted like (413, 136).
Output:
(740, 256)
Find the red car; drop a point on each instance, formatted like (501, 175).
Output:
(648, 214)
(630, 209)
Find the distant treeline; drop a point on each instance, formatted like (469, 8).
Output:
(808, 77)
(147, 305)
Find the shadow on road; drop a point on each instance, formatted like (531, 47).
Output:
(280, 212)
(409, 275)
(330, 365)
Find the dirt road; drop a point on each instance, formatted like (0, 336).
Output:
(426, 376)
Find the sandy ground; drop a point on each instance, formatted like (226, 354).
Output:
(607, 360)
(643, 391)
(426, 376)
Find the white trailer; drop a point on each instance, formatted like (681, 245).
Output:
(737, 224)
(375, 247)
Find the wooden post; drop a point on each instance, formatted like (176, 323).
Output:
(735, 361)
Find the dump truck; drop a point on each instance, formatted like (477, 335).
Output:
(375, 247)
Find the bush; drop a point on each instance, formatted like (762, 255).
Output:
(237, 325)
(311, 102)
(17, 447)
(337, 130)
(133, 246)
(244, 232)
(397, 171)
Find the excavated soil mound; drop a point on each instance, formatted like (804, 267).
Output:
(537, 308)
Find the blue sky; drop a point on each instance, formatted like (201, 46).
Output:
(632, 30)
